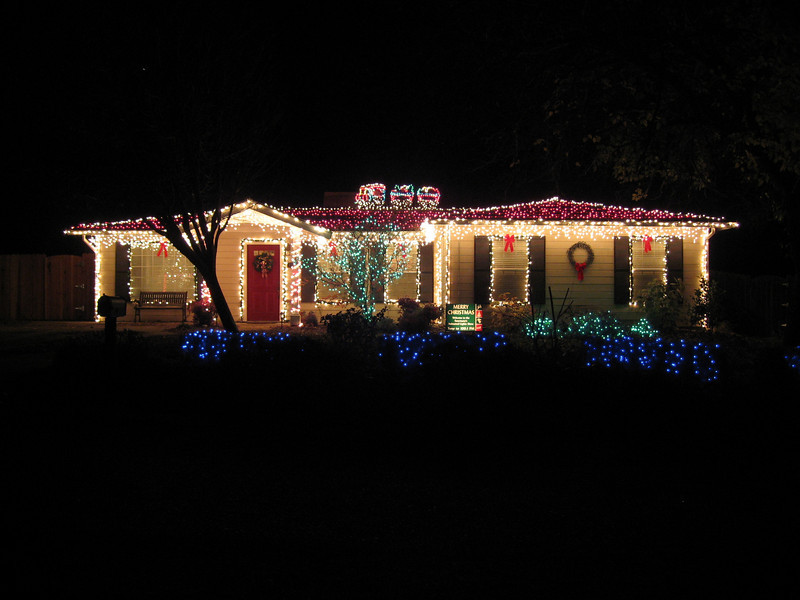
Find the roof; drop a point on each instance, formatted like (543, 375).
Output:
(551, 210)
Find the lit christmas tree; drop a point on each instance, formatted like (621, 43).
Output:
(361, 263)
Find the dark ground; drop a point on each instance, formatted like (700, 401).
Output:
(132, 473)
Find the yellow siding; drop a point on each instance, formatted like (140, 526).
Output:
(596, 291)
(229, 260)
(105, 266)
(694, 265)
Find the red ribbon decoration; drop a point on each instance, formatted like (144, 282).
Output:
(162, 248)
(332, 246)
(579, 268)
(509, 243)
(647, 247)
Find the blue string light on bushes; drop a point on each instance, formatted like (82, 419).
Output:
(677, 357)
(409, 349)
(418, 349)
(413, 350)
(213, 344)
(793, 360)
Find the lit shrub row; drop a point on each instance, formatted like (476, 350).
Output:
(676, 357)
(589, 324)
(418, 349)
(213, 344)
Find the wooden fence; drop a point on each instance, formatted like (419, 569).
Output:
(36, 287)
(754, 305)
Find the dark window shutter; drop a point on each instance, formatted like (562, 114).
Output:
(426, 272)
(483, 269)
(377, 288)
(536, 270)
(622, 270)
(308, 276)
(122, 272)
(674, 261)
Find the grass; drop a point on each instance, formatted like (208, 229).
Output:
(317, 469)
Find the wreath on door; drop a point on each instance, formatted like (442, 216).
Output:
(580, 266)
(263, 262)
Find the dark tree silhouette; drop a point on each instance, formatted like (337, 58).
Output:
(692, 110)
(200, 123)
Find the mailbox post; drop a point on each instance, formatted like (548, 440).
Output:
(111, 307)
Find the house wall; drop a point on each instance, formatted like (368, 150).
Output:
(595, 292)
(695, 264)
(229, 260)
(105, 267)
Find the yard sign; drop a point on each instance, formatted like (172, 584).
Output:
(463, 317)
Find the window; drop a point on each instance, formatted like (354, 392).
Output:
(647, 266)
(510, 268)
(405, 286)
(161, 269)
(331, 280)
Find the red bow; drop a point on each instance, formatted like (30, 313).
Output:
(647, 247)
(162, 248)
(509, 244)
(332, 246)
(579, 268)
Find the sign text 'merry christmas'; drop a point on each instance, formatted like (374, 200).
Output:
(463, 317)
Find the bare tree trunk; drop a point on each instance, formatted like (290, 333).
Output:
(218, 298)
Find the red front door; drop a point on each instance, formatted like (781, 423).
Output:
(263, 282)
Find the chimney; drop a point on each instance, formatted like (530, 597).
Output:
(339, 199)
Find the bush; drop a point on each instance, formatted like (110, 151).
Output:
(203, 313)
(416, 317)
(663, 305)
(507, 315)
(707, 305)
(310, 319)
(354, 327)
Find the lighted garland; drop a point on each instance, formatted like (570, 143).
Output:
(580, 266)
(554, 211)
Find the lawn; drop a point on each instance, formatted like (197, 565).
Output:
(316, 468)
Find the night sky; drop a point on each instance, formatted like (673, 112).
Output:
(413, 93)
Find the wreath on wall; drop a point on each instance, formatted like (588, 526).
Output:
(580, 266)
(263, 262)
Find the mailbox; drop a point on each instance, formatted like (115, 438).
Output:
(112, 306)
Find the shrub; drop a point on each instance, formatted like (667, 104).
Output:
(507, 315)
(310, 319)
(354, 327)
(203, 312)
(663, 305)
(416, 317)
(706, 308)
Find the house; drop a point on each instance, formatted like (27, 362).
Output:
(603, 256)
